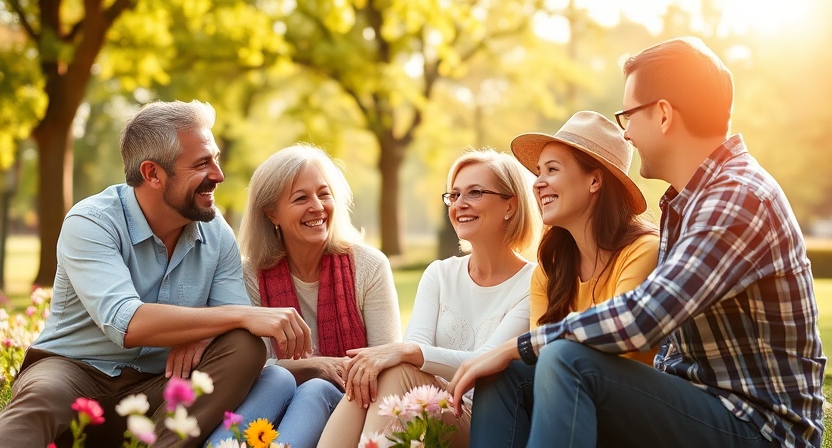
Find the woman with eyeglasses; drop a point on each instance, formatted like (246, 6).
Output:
(464, 305)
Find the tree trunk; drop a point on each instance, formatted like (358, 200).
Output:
(66, 85)
(448, 241)
(390, 162)
(54, 192)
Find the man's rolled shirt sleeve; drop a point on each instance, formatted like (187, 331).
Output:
(91, 256)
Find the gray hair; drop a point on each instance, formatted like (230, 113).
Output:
(523, 227)
(260, 243)
(153, 134)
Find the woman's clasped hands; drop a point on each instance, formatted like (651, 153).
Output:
(366, 364)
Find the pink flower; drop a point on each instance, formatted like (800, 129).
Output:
(230, 419)
(392, 406)
(52, 445)
(429, 398)
(45, 313)
(178, 391)
(37, 296)
(90, 408)
(30, 310)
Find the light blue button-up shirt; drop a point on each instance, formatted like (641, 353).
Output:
(110, 263)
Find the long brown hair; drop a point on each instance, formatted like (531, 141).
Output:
(615, 225)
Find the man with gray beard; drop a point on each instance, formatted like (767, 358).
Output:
(149, 286)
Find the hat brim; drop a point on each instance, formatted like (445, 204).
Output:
(527, 148)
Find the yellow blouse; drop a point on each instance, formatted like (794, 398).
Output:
(631, 268)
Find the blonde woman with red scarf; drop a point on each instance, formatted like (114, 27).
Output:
(301, 250)
(464, 305)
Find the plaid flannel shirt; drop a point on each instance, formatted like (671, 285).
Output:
(731, 301)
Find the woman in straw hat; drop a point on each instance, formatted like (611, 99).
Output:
(596, 247)
(464, 305)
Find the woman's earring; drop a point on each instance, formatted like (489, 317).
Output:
(506, 218)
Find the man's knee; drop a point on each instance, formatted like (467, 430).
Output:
(565, 353)
(241, 348)
(43, 397)
(53, 380)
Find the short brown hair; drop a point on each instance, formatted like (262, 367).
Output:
(686, 73)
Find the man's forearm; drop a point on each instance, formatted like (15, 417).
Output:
(158, 325)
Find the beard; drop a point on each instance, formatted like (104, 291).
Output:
(187, 207)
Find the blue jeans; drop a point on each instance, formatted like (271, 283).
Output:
(587, 398)
(304, 421)
(300, 413)
(502, 412)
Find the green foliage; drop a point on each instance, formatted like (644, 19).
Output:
(432, 432)
(22, 100)
(5, 394)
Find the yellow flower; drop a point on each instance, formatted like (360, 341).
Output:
(260, 433)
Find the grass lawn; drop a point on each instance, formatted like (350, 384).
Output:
(21, 268)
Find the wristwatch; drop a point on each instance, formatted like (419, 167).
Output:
(524, 346)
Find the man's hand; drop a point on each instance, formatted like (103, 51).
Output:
(287, 330)
(493, 361)
(184, 358)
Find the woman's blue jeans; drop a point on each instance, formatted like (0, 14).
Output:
(587, 398)
(300, 413)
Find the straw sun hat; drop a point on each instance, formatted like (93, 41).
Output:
(596, 136)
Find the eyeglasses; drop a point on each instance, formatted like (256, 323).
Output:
(623, 116)
(470, 196)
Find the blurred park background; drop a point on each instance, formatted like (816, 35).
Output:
(395, 89)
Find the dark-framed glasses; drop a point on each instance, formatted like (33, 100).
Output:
(622, 117)
(470, 196)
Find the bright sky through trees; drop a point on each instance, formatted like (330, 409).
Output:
(738, 16)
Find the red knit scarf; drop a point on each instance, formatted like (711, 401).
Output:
(339, 323)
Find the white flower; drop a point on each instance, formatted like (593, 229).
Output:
(133, 404)
(182, 424)
(201, 382)
(231, 443)
(374, 440)
(142, 427)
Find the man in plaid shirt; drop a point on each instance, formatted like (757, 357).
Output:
(731, 302)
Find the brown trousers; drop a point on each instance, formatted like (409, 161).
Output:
(40, 410)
